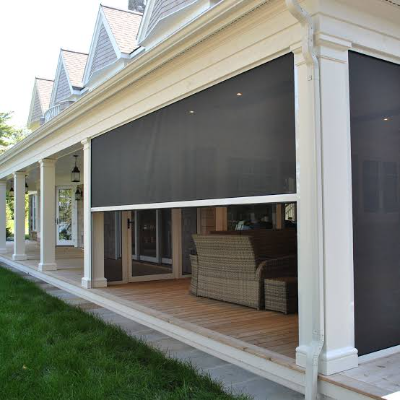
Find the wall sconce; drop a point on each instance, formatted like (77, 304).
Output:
(11, 192)
(78, 194)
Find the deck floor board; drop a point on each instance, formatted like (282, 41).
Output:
(273, 331)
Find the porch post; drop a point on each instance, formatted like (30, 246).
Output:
(3, 217)
(176, 216)
(325, 209)
(48, 215)
(19, 216)
(98, 250)
(338, 353)
(87, 215)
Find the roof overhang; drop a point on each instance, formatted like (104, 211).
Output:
(218, 17)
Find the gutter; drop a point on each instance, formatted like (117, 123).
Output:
(318, 303)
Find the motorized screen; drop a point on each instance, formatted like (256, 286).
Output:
(375, 145)
(234, 139)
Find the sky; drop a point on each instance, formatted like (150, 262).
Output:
(31, 35)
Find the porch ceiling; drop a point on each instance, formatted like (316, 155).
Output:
(64, 165)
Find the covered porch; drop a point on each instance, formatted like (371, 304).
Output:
(266, 341)
(229, 322)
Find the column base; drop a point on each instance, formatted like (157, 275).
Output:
(47, 267)
(99, 283)
(19, 257)
(331, 362)
(86, 283)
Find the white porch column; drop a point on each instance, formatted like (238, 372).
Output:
(325, 207)
(338, 353)
(19, 216)
(87, 215)
(48, 215)
(98, 250)
(3, 217)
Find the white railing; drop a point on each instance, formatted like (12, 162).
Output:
(55, 110)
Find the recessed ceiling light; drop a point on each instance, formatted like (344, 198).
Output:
(191, 112)
(238, 94)
(386, 119)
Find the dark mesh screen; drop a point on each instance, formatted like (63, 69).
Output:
(375, 142)
(234, 139)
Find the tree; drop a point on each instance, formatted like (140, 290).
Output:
(9, 135)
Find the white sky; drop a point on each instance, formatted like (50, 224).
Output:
(31, 35)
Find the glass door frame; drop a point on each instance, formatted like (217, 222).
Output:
(74, 235)
(129, 227)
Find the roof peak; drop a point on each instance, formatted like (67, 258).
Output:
(73, 51)
(121, 9)
(43, 79)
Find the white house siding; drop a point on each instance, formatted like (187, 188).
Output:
(63, 90)
(162, 8)
(104, 53)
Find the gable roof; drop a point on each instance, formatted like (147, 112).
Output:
(44, 88)
(74, 63)
(40, 101)
(69, 74)
(114, 38)
(124, 25)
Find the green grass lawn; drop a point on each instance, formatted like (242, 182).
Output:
(50, 350)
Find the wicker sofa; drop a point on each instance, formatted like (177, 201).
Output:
(232, 266)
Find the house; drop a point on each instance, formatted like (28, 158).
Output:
(206, 146)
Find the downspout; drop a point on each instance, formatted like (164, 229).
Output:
(318, 335)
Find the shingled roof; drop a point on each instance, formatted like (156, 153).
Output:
(75, 63)
(44, 88)
(40, 100)
(124, 25)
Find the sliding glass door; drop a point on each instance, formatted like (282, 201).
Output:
(151, 243)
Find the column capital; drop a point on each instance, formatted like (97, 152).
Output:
(86, 143)
(47, 162)
(19, 174)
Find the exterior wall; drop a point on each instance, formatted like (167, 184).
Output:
(163, 8)
(104, 53)
(63, 90)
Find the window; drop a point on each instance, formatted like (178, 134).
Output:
(32, 212)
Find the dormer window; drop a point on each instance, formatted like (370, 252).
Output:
(162, 18)
(114, 40)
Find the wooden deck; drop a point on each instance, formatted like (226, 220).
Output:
(268, 335)
(270, 330)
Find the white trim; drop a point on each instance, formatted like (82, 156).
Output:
(101, 20)
(275, 198)
(110, 34)
(145, 21)
(60, 65)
